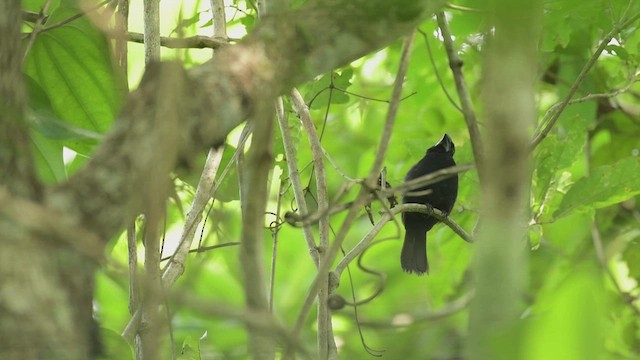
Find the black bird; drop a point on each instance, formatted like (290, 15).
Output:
(442, 197)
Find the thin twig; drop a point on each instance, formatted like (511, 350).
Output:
(437, 73)
(555, 111)
(177, 264)
(192, 42)
(391, 112)
(428, 179)
(465, 8)
(447, 310)
(554, 108)
(134, 286)
(326, 343)
(364, 193)
(455, 63)
(336, 167)
(371, 98)
(37, 29)
(602, 260)
(317, 154)
(301, 219)
(386, 217)
(76, 16)
(294, 177)
(275, 230)
(203, 249)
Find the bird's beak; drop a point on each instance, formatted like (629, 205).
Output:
(446, 143)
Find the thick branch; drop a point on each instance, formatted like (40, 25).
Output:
(16, 165)
(113, 185)
(500, 264)
(254, 193)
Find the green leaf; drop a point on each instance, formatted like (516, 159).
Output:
(555, 153)
(607, 185)
(324, 89)
(619, 51)
(72, 65)
(48, 156)
(115, 346)
(248, 21)
(631, 256)
(559, 157)
(190, 349)
(43, 118)
(36, 5)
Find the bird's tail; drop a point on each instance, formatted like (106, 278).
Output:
(414, 252)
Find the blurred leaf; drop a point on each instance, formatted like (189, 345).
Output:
(619, 51)
(631, 256)
(190, 350)
(606, 185)
(569, 320)
(248, 21)
(322, 89)
(115, 346)
(36, 5)
(186, 23)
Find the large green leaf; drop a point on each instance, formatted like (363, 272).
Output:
(72, 64)
(607, 185)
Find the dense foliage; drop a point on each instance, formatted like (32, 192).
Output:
(583, 235)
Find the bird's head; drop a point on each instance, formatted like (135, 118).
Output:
(445, 146)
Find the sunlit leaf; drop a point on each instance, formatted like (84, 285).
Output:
(72, 64)
(606, 185)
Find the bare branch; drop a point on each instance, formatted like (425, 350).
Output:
(463, 93)
(386, 217)
(437, 73)
(37, 28)
(364, 194)
(295, 219)
(177, 263)
(326, 343)
(392, 111)
(192, 42)
(449, 309)
(296, 184)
